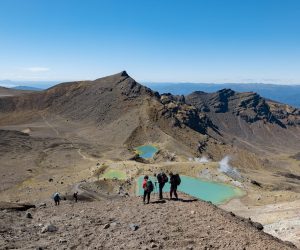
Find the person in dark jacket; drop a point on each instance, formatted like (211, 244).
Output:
(162, 179)
(56, 199)
(174, 181)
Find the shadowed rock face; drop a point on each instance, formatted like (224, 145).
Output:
(249, 106)
(249, 118)
(182, 114)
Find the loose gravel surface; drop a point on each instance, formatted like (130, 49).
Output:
(127, 223)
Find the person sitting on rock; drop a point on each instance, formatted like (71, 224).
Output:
(175, 182)
(56, 199)
(148, 188)
(162, 179)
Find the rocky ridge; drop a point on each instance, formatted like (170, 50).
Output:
(128, 224)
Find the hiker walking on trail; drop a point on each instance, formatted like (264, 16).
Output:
(148, 188)
(75, 196)
(56, 199)
(162, 179)
(175, 182)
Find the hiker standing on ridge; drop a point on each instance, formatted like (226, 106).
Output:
(162, 179)
(148, 188)
(175, 182)
(75, 196)
(56, 199)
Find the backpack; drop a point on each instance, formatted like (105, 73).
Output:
(177, 179)
(149, 186)
(165, 178)
(162, 178)
(56, 196)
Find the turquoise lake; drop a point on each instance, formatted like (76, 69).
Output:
(146, 151)
(215, 192)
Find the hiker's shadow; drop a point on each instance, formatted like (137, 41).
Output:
(187, 200)
(180, 199)
(158, 202)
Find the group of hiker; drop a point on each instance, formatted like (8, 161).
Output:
(57, 198)
(162, 179)
(148, 187)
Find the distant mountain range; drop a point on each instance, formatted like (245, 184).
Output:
(28, 85)
(289, 94)
(27, 88)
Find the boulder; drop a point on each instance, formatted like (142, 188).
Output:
(49, 228)
(257, 225)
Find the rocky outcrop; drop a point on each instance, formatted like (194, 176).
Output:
(183, 114)
(250, 106)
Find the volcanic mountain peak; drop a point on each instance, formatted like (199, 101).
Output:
(110, 81)
(114, 78)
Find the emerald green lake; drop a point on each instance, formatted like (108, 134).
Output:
(146, 151)
(114, 173)
(215, 192)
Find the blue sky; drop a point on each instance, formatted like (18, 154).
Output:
(169, 40)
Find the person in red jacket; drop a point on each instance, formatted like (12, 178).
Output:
(148, 188)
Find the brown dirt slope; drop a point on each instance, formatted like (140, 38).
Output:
(117, 109)
(106, 225)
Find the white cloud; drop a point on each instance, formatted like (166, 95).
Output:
(37, 69)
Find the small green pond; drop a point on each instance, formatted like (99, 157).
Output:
(146, 151)
(215, 192)
(114, 173)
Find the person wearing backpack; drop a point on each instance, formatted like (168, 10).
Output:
(56, 199)
(162, 179)
(175, 182)
(148, 188)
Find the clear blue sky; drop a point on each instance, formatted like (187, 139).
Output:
(169, 40)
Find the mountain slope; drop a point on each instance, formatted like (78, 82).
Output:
(118, 109)
(11, 92)
(122, 112)
(249, 120)
(186, 224)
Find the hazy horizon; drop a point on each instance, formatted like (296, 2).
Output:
(44, 83)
